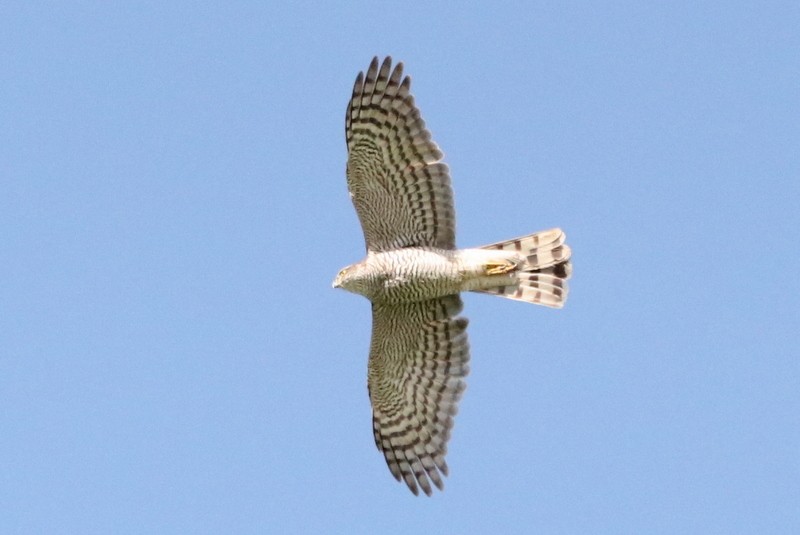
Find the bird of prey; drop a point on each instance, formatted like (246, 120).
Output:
(413, 274)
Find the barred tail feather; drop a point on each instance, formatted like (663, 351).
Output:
(540, 289)
(542, 279)
(542, 249)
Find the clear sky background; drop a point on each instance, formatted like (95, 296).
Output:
(173, 210)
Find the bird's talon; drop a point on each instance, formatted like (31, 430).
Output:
(499, 268)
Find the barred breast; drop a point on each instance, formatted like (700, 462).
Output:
(416, 274)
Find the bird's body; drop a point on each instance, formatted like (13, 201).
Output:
(421, 273)
(413, 274)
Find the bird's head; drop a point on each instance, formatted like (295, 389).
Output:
(338, 282)
(353, 278)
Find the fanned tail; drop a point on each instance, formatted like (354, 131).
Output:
(542, 278)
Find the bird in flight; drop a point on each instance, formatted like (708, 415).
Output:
(413, 274)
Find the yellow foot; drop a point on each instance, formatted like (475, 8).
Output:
(499, 268)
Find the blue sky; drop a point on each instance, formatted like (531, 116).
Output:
(174, 209)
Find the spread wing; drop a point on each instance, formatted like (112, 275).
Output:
(418, 359)
(400, 189)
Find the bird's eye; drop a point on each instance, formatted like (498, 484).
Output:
(342, 272)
